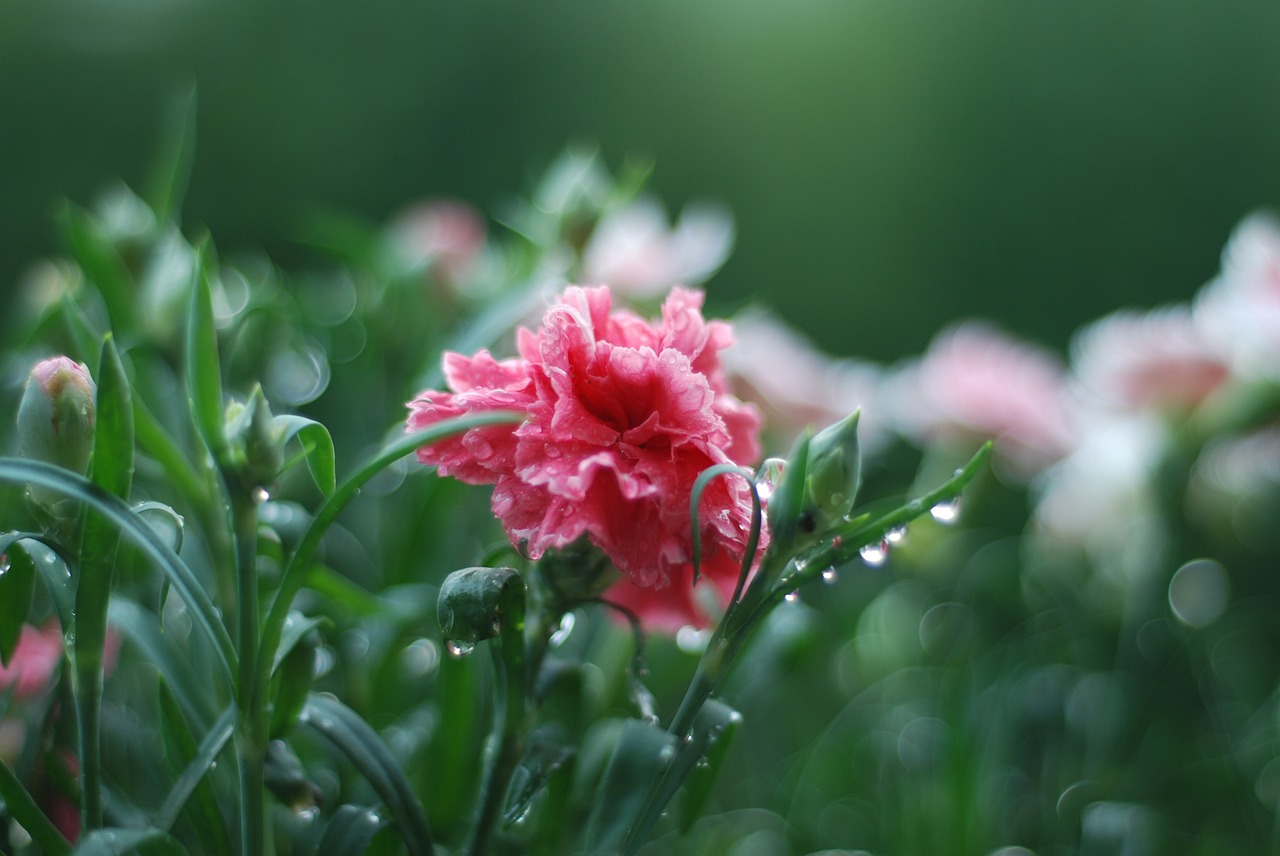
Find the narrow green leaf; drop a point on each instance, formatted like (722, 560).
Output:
(85, 337)
(642, 755)
(713, 732)
(294, 675)
(366, 751)
(156, 442)
(204, 373)
(112, 472)
(52, 565)
(350, 830)
(17, 587)
(102, 265)
(125, 842)
(317, 447)
(200, 762)
(20, 805)
(172, 655)
(17, 471)
(296, 627)
(171, 168)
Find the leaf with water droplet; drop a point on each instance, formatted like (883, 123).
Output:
(543, 758)
(714, 730)
(17, 588)
(875, 554)
(947, 511)
(641, 755)
(350, 830)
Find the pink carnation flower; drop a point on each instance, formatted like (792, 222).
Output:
(1157, 360)
(33, 664)
(623, 416)
(978, 383)
(797, 386)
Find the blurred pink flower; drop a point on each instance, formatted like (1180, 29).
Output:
(442, 232)
(634, 251)
(977, 383)
(623, 416)
(34, 663)
(1240, 310)
(1157, 360)
(796, 385)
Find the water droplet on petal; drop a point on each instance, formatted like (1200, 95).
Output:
(947, 511)
(459, 649)
(896, 535)
(562, 633)
(829, 576)
(875, 554)
(769, 476)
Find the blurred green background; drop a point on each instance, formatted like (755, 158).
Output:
(892, 164)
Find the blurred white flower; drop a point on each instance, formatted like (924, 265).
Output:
(635, 252)
(1100, 498)
(976, 383)
(1240, 309)
(797, 386)
(1157, 360)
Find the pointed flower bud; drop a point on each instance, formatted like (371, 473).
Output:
(55, 420)
(254, 442)
(833, 474)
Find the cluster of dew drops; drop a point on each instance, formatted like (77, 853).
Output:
(875, 554)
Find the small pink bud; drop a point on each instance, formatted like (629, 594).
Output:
(56, 418)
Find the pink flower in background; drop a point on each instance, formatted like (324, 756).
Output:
(797, 386)
(634, 251)
(444, 233)
(33, 664)
(975, 382)
(1240, 310)
(1157, 360)
(623, 415)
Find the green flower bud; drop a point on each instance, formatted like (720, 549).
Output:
(833, 474)
(479, 603)
(55, 421)
(254, 443)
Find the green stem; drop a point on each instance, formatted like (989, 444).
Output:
(510, 725)
(252, 724)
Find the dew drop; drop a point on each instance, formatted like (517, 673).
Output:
(829, 576)
(947, 511)
(792, 596)
(897, 535)
(692, 640)
(308, 814)
(768, 477)
(260, 495)
(875, 554)
(703, 763)
(459, 649)
(562, 633)
(4, 563)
